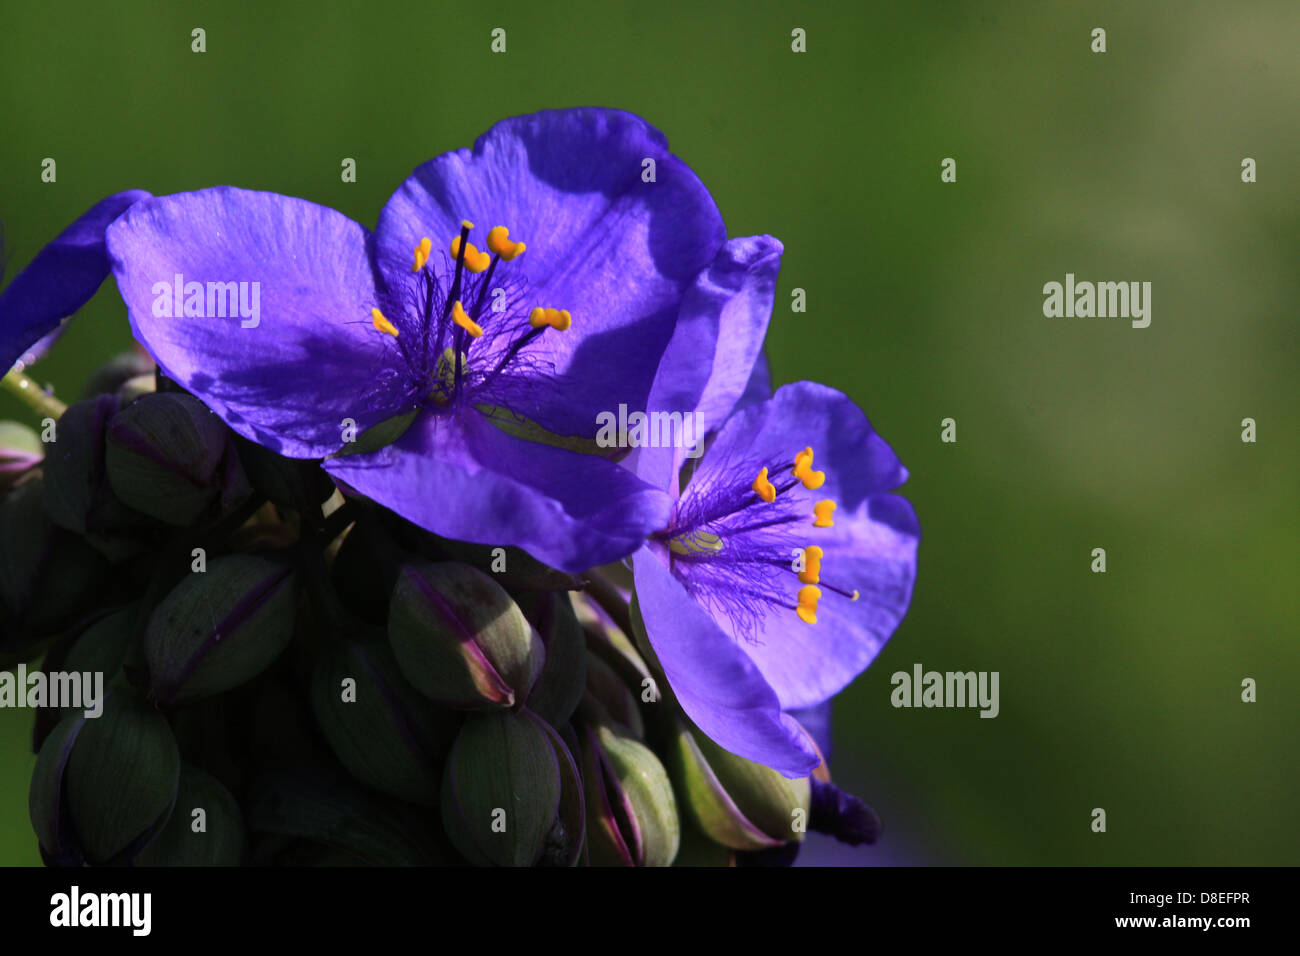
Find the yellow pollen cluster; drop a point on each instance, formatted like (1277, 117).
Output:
(475, 261)
(809, 595)
(764, 488)
(824, 514)
(558, 319)
(499, 244)
(812, 565)
(464, 321)
(382, 324)
(422, 254)
(812, 480)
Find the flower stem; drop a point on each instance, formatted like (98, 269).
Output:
(32, 395)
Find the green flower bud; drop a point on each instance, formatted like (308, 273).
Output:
(103, 645)
(566, 840)
(382, 729)
(20, 450)
(608, 642)
(613, 700)
(169, 457)
(117, 371)
(75, 487)
(698, 850)
(740, 804)
(77, 493)
(219, 628)
(559, 688)
(501, 789)
(47, 801)
(631, 811)
(103, 787)
(206, 827)
(101, 648)
(313, 818)
(460, 639)
(133, 388)
(48, 576)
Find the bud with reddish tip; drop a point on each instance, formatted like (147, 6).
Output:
(460, 639)
(631, 811)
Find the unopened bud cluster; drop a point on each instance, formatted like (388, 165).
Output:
(293, 677)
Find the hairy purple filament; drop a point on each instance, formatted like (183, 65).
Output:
(442, 363)
(738, 554)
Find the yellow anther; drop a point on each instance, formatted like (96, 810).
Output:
(464, 321)
(475, 261)
(812, 480)
(812, 565)
(764, 488)
(824, 514)
(558, 319)
(499, 243)
(466, 224)
(809, 595)
(382, 324)
(422, 254)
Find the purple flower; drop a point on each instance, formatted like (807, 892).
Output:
(59, 281)
(786, 565)
(508, 296)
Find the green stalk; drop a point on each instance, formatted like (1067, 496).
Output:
(32, 395)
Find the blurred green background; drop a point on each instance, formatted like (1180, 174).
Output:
(1119, 691)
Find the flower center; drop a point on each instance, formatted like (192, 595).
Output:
(460, 337)
(736, 543)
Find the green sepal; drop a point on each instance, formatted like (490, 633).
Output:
(379, 436)
(522, 427)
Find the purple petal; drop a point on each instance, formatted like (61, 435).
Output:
(60, 280)
(759, 387)
(817, 721)
(857, 462)
(872, 550)
(716, 683)
(719, 336)
(311, 360)
(463, 477)
(617, 252)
